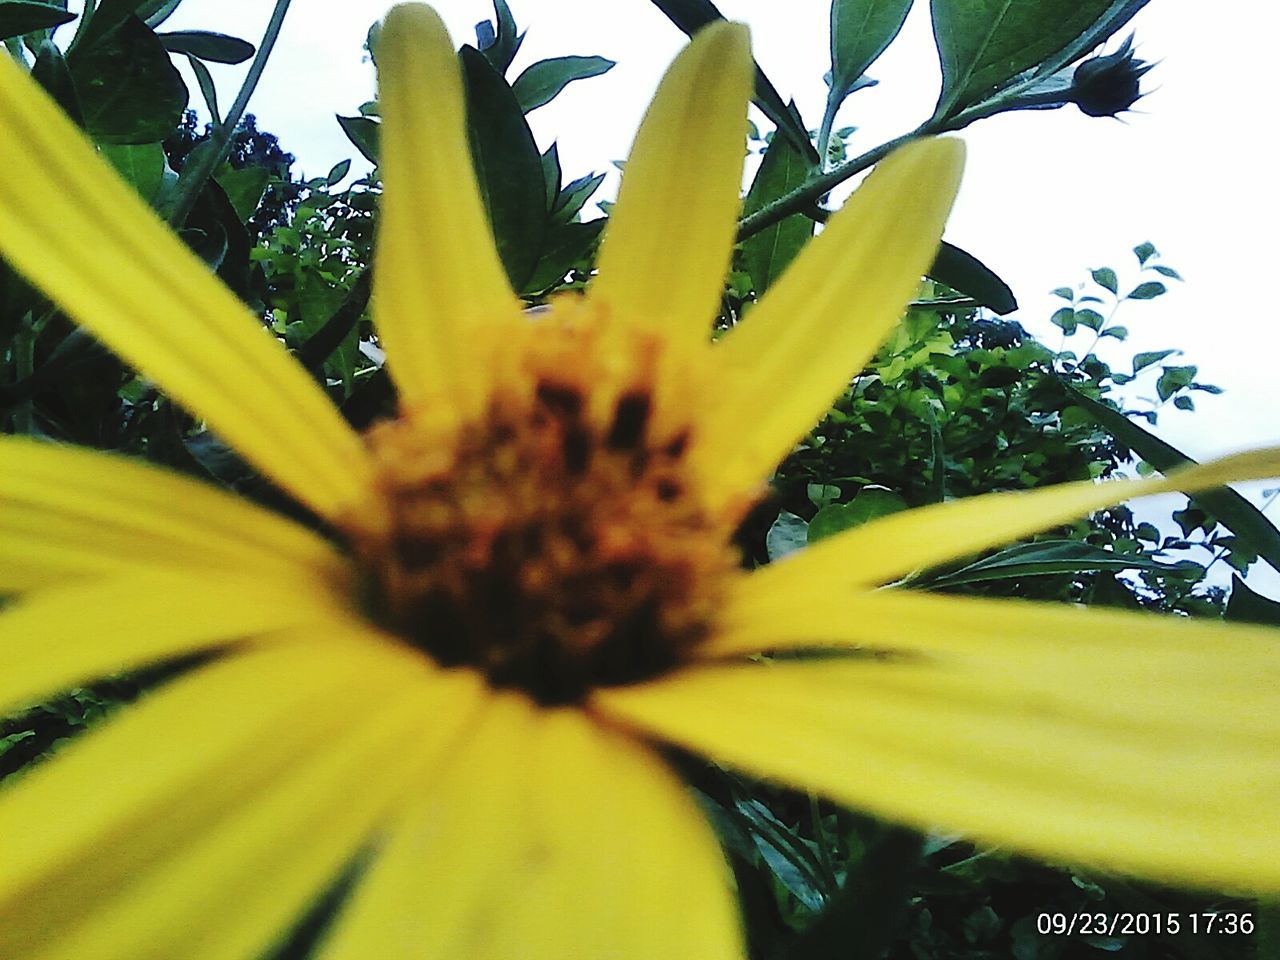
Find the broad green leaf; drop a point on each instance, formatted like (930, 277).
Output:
(690, 16)
(1246, 606)
(1173, 379)
(337, 172)
(860, 32)
(1146, 291)
(540, 83)
(788, 534)
(985, 44)
(106, 16)
(1066, 293)
(18, 17)
(1246, 521)
(1144, 251)
(244, 188)
(508, 167)
(128, 88)
(1143, 360)
(214, 47)
(870, 504)
(1105, 277)
(141, 164)
(363, 133)
(1042, 558)
(767, 253)
(964, 272)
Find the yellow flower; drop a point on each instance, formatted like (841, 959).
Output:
(530, 584)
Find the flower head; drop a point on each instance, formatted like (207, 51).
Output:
(530, 586)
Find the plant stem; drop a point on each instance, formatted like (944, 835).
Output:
(197, 173)
(808, 192)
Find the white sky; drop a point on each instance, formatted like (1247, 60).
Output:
(1047, 194)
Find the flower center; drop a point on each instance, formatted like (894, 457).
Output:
(556, 543)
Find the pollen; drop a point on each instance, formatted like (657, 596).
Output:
(556, 542)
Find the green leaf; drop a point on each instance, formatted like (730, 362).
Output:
(541, 82)
(1146, 291)
(52, 73)
(1066, 293)
(508, 167)
(363, 133)
(207, 88)
(1042, 558)
(156, 12)
(244, 188)
(337, 172)
(983, 45)
(1173, 379)
(767, 253)
(129, 90)
(140, 164)
(1246, 606)
(18, 17)
(964, 272)
(1064, 317)
(1105, 277)
(504, 41)
(1169, 272)
(574, 196)
(1184, 403)
(205, 45)
(1236, 513)
(1116, 332)
(551, 175)
(1144, 251)
(1089, 318)
(870, 504)
(1143, 360)
(566, 244)
(788, 534)
(692, 15)
(860, 32)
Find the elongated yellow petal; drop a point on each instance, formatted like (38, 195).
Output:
(56, 638)
(67, 513)
(1029, 755)
(898, 544)
(128, 803)
(439, 289)
(85, 238)
(249, 876)
(823, 321)
(666, 250)
(550, 837)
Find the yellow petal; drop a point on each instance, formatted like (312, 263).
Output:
(1028, 755)
(439, 289)
(56, 638)
(888, 548)
(824, 319)
(175, 782)
(550, 837)
(85, 238)
(67, 513)
(666, 250)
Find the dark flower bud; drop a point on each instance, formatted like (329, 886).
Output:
(1108, 85)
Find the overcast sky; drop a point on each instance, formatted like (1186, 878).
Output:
(1047, 195)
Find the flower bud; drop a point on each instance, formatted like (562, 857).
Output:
(1108, 85)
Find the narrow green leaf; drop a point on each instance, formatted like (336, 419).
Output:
(767, 253)
(205, 45)
(363, 133)
(565, 245)
(18, 17)
(337, 172)
(1042, 558)
(541, 82)
(551, 175)
(574, 196)
(1173, 274)
(156, 12)
(964, 272)
(1143, 360)
(1236, 513)
(207, 88)
(690, 16)
(508, 167)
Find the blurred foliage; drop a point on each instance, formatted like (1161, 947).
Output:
(959, 402)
